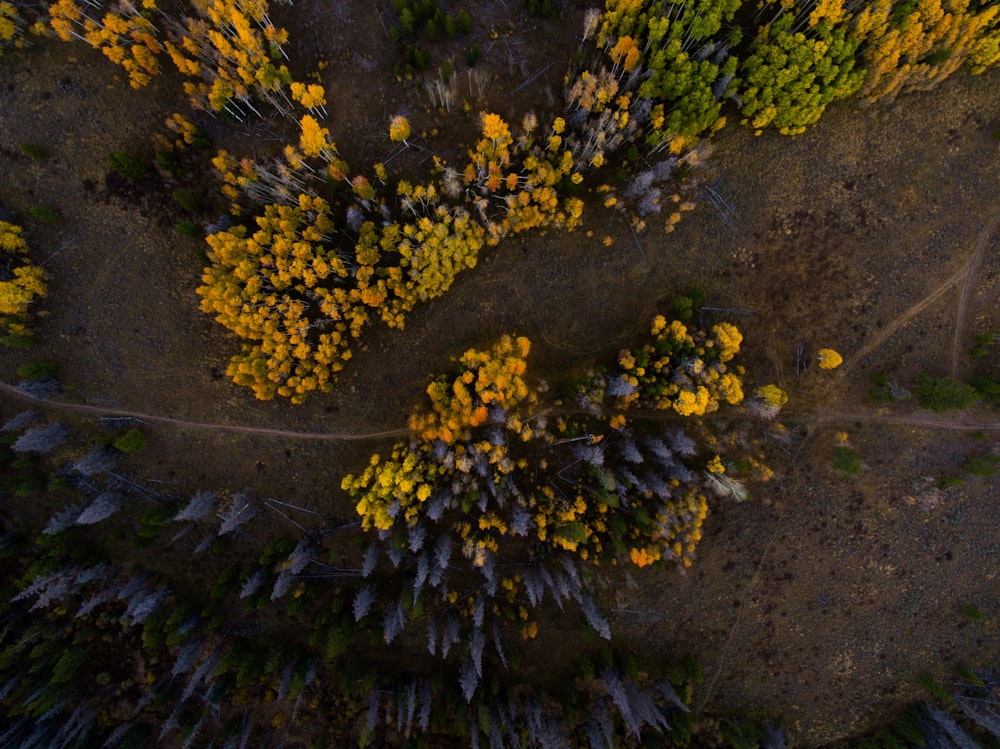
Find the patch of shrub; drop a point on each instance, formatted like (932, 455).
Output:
(473, 55)
(187, 200)
(34, 151)
(189, 229)
(38, 370)
(43, 214)
(971, 612)
(943, 393)
(846, 461)
(131, 441)
(169, 161)
(540, 8)
(987, 387)
(23, 342)
(128, 165)
(982, 465)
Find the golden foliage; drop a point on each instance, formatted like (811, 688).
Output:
(22, 284)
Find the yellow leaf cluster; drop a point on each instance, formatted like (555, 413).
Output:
(681, 370)
(24, 283)
(490, 378)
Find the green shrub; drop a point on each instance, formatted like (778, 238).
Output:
(169, 161)
(846, 461)
(881, 388)
(982, 465)
(43, 214)
(17, 341)
(473, 55)
(971, 612)
(464, 22)
(38, 370)
(34, 151)
(988, 387)
(189, 229)
(943, 393)
(131, 441)
(187, 200)
(128, 165)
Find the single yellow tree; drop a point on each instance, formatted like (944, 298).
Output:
(829, 359)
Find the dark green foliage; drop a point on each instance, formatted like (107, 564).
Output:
(38, 370)
(881, 388)
(540, 8)
(416, 57)
(34, 151)
(943, 393)
(187, 200)
(931, 684)
(189, 229)
(17, 341)
(982, 465)
(971, 612)
(464, 22)
(683, 306)
(473, 55)
(131, 441)
(846, 461)
(169, 161)
(742, 732)
(44, 214)
(150, 525)
(987, 387)
(128, 165)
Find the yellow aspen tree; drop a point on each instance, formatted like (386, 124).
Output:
(12, 26)
(829, 359)
(21, 282)
(914, 45)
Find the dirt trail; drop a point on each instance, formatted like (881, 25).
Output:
(966, 272)
(971, 269)
(931, 421)
(335, 436)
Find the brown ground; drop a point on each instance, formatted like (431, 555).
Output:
(874, 233)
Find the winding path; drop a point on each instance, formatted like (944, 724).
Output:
(336, 436)
(966, 272)
(932, 421)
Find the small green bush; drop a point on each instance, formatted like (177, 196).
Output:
(943, 393)
(34, 151)
(187, 200)
(43, 214)
(881, 388)
(131, 441)
(464, 22)
(988, 387)
(473, 55)
(189, 229)
(38, 370)
(982, 465)
(169, 161)
(846, 461)
(971, 612)
(128, 165)
(23, 342)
